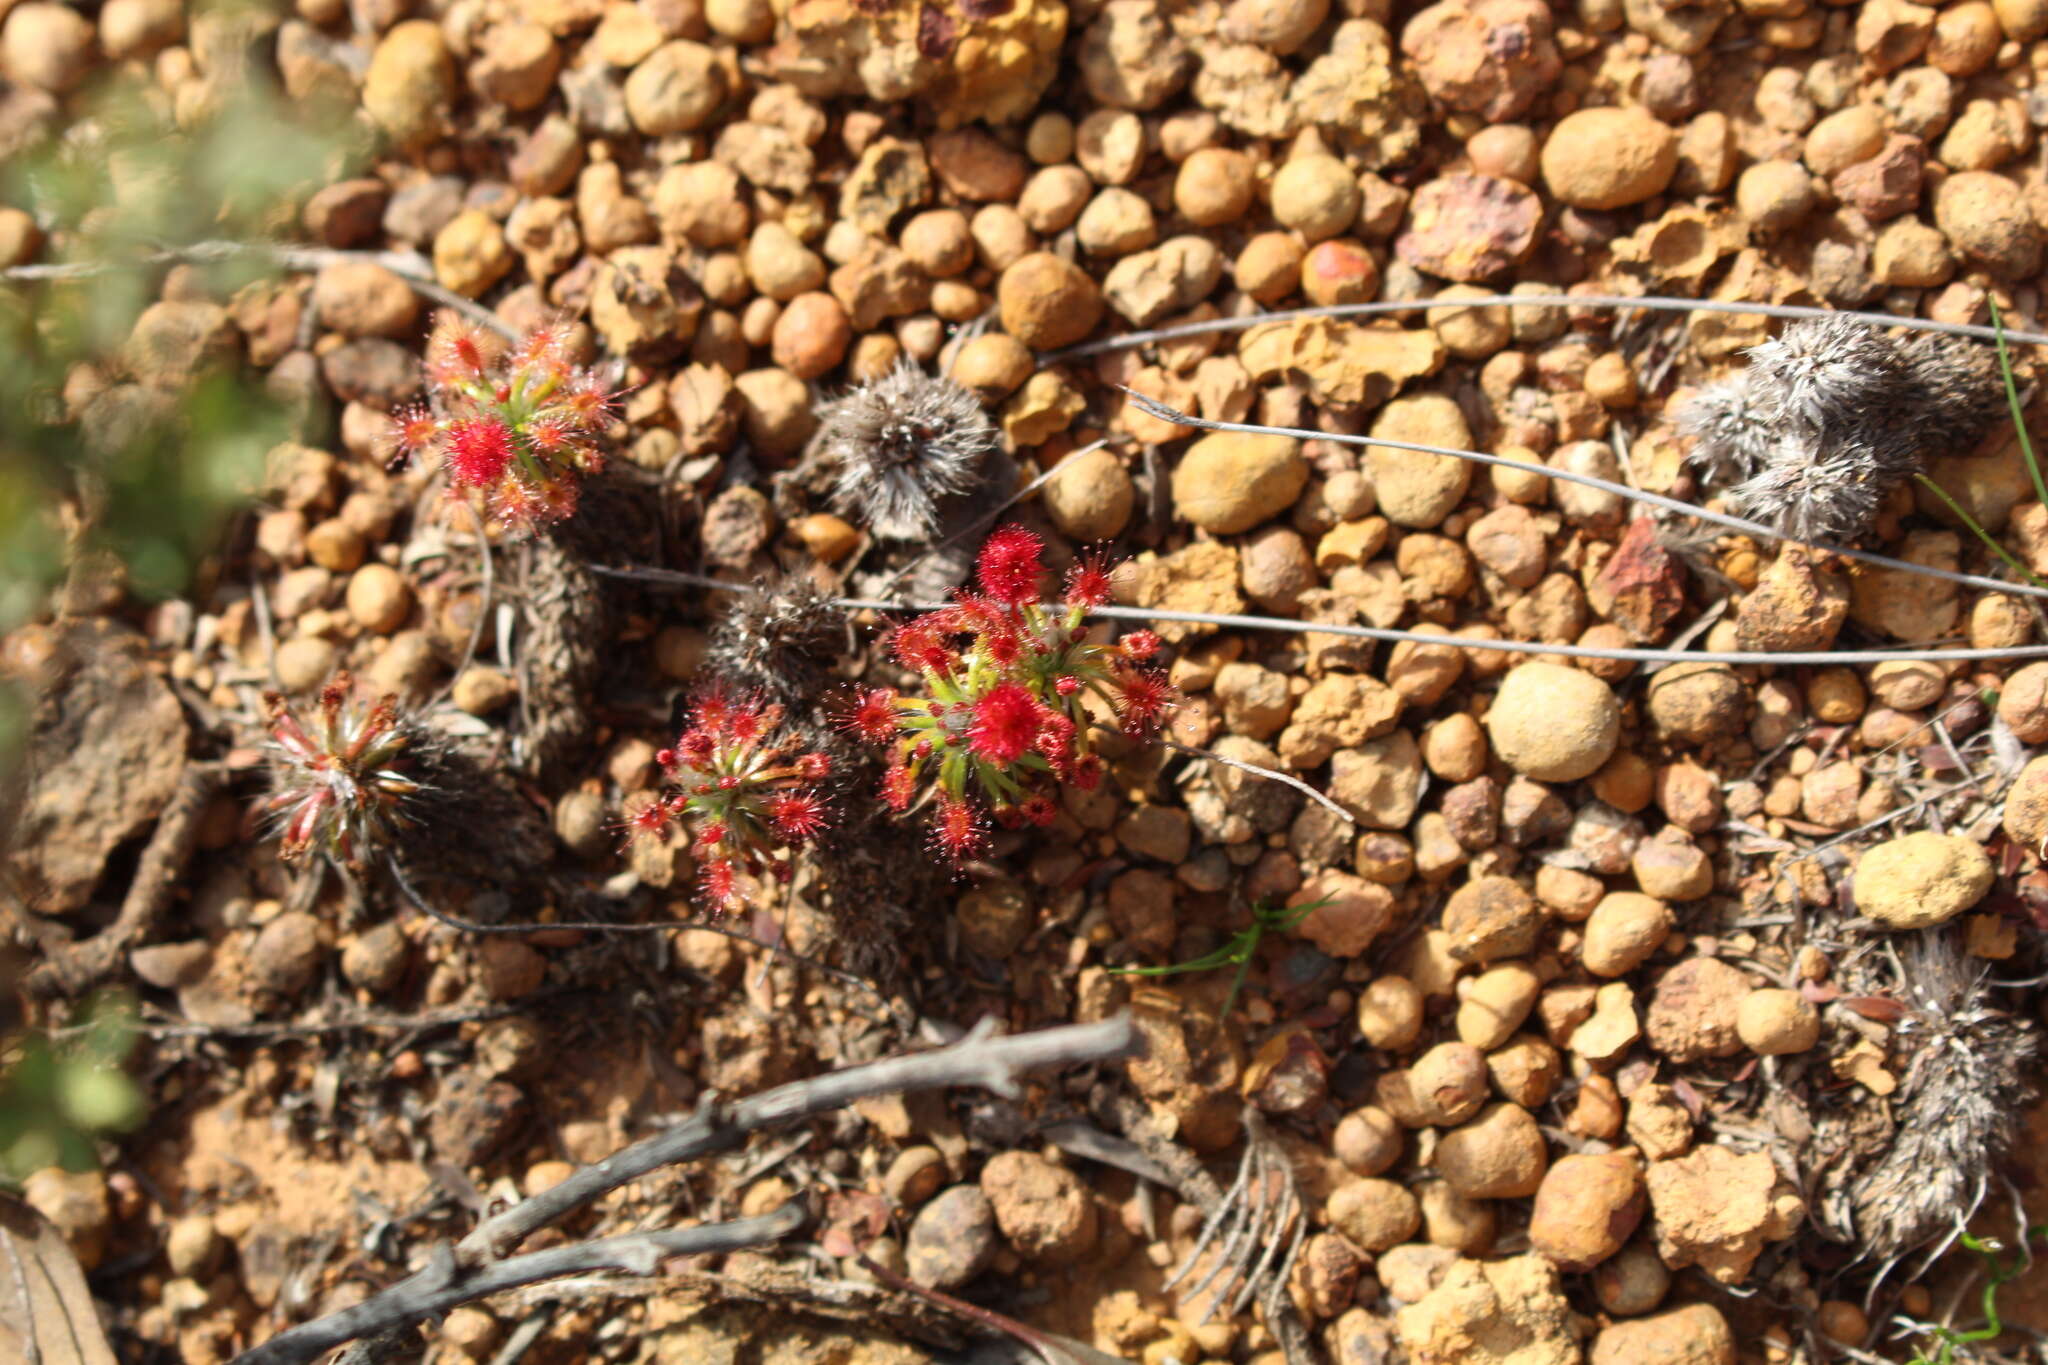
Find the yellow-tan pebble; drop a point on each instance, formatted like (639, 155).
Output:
(1774, 1022)
(379, 598)
(1922, 879)
(1390, 1013)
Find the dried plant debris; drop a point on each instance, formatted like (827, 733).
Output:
(1248, 1243)
(1830, 416)
(472, 824)
(899, 445)
(1964, 1082)
(565, 626)
(778, 640)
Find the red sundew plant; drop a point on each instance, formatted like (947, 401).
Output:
(736, 780)
(341, 780)
(516, 426)
(1002, 719)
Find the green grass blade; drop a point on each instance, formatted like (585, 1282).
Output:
(2012, 399)
(1981, 534)
(1244, 969)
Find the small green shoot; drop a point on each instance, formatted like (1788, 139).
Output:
(1239, 949)
(2012, 399)
(1977, 530)
(1997, 1275)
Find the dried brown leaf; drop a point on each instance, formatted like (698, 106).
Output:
(46, 1312)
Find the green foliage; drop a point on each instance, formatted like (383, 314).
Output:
(152, 476)
(2012, 401)
(58, 1096)
(1997, 1274)
(1239, 949)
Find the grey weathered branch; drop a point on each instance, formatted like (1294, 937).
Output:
(480, 1264)
(444, 1284)
(978, 1059)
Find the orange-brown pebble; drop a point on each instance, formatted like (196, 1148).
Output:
(1047, 302)
(1339, 271)
(1269, 267)
(1214, 186)
(811, 336)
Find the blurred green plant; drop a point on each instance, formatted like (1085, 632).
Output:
(60, 1096)
(132, 184)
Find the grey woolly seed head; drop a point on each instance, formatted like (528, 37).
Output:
(901, 443)
(1958, 387)
(1731, 431)
(778, 640)
(1808, 498)
(1826, 372)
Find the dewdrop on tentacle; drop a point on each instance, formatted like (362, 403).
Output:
(343, 774)
(900, 444)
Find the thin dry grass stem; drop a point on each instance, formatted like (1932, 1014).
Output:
(1269, 774)
(1623, 302)
(1687, 509)
(266, 632)
(1253, 1218)
(1048, 1347)
(1234, 621)
(415, 269)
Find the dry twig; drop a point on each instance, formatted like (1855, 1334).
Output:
(444, 1284)
(481, 1263)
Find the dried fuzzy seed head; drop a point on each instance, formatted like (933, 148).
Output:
(901, 443)
(1960, 388)
(1827, 372)
(343, 775)
(1833, 413)
(778, 640)
(1731, 431)
(1807, 498)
